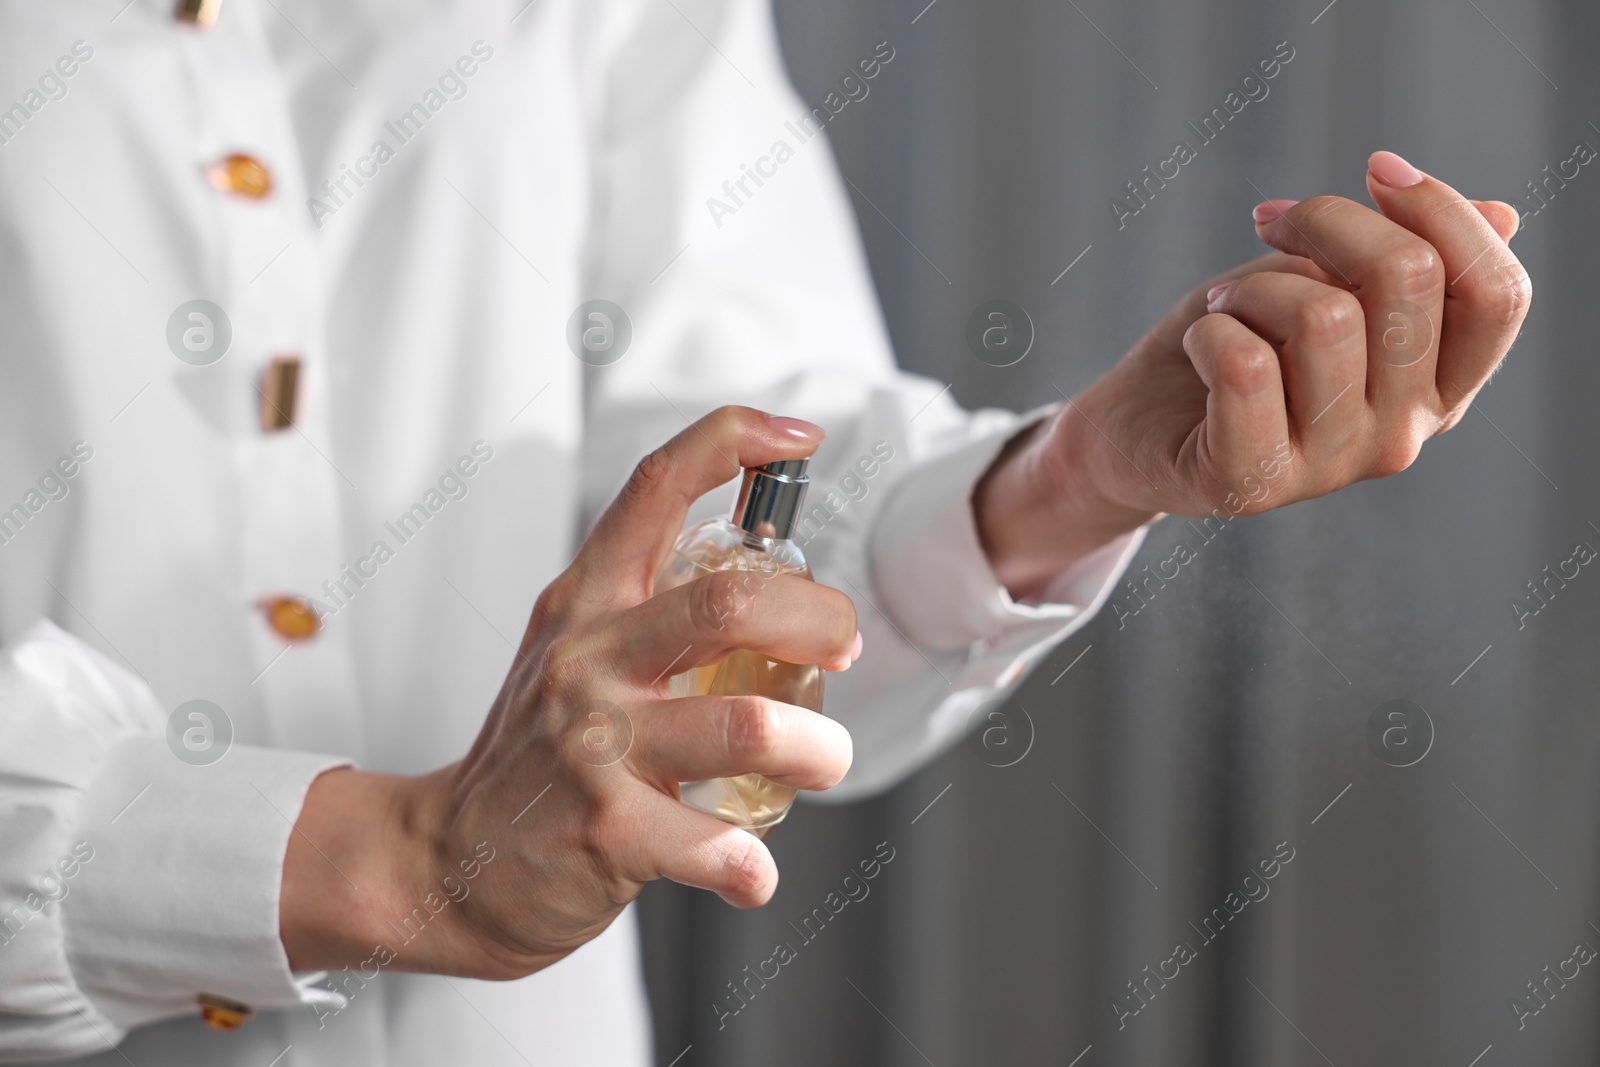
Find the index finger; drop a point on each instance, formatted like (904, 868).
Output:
(619, 558)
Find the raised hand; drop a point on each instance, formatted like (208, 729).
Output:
(1290, 377)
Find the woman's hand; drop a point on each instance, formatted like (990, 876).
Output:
(1284, 379)
(571, 787)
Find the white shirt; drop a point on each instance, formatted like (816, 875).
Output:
(430, 305)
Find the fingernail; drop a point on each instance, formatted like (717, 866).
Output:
(1215, 293)
(796, 428)
(1271, 210)
(1393, 171)
(855, 650)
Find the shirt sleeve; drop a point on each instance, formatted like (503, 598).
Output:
(721, 227)
(131, 882)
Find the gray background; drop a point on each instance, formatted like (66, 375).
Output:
(1224, 718)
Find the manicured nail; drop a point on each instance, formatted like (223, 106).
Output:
(796, 428)
(1215, 293)
(855, 650)
(1393, 171)
(1271, 210)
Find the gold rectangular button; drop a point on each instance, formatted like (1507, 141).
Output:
(201, 14)
(280, 385)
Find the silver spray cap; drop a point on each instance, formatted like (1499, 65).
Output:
(770, 498)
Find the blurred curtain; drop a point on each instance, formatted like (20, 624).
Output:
(1186, 743)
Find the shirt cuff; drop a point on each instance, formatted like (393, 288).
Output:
(182, 896)
(935, 579)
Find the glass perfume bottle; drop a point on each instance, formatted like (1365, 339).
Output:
(756, 539)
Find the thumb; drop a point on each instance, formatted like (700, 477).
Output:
(619, 558)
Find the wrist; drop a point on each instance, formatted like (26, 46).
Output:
(1041, 506)
(356, 865)
(1101, 486)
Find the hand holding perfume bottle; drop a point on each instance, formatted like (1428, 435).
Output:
(573, 785)
(757, 541)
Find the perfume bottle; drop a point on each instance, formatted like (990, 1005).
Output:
(755, 539)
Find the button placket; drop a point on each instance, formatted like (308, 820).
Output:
(289, 487)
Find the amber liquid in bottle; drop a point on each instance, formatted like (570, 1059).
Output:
(748, 801)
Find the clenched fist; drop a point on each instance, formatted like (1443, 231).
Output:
(1330, 362)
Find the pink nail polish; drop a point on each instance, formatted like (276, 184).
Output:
(1271, 210)
(796, 428)
(855, 650)
(1393, 171)
(1215, 293)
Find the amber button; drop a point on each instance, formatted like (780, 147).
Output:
(221, 1013)
(201, 14)
(291, 617)
(241, 175)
